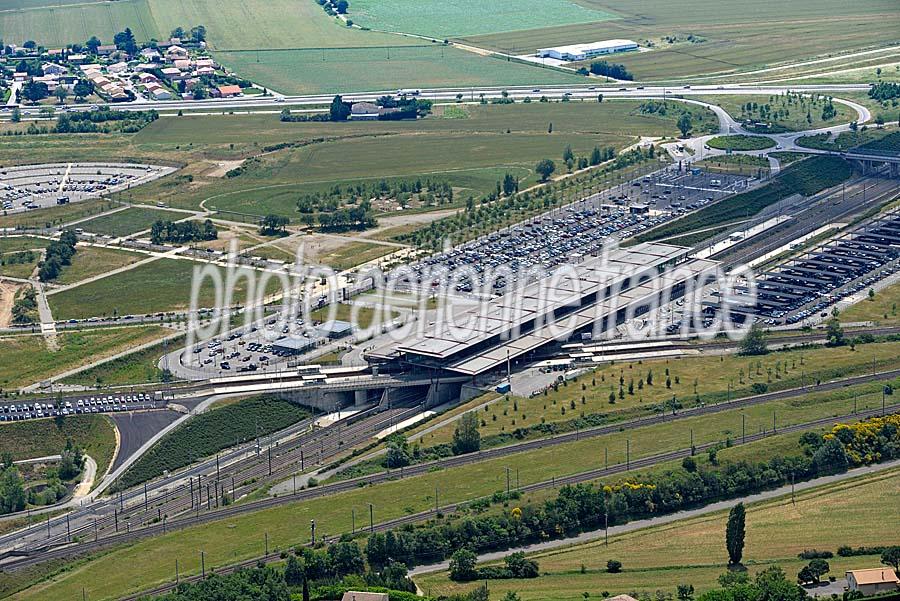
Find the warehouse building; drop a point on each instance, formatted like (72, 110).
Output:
(580, 52)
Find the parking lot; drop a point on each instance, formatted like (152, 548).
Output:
(82, 406)
(566, 234)
(805, 288)
(30, 187)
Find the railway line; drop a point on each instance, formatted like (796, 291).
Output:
(43, 550)
(581, 477)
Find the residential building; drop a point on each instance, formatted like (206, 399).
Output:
(229, 91)
(364, 111)
(53, 69)
(106, 49)
(873, 580)
(174, 53)
(117, 68)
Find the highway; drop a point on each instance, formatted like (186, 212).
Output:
(172, 496)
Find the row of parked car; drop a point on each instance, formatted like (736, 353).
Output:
(101, 404)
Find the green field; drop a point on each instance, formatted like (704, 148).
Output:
(136, 368)
(741, 143)
(734, 163)
(90, 261)
(735, 36)
(150, 561)
(320, 71)
(355, 253)
(26, 359)
(208, 433)
(233, 25)
(693, 550)
(57, 215)
(162, 285)
(9, 244)
(453, 18)
(883, 309)
(42, 438)
(129, 221)
(707, 377)
(471, 153)
(797, 107)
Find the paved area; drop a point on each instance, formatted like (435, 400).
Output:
(137, 427)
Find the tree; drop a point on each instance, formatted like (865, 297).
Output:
(61, 94)
(510, 185)
(685, 592)
(613, 566)
(273, 225)
(339, 110)
(342, 6)
(466, 438)
(685, 124)
(734, 534)
(198, 34)
(177, 33)
(813, 572)
(35, 91)
(83, 89)
(754, 343)
(92, 44)
(891, 557)
(545, 169)
(568, 155)
(834, 333)
(511, 596)
(16, 115)
(462, 566)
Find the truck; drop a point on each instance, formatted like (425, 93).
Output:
(503, 388)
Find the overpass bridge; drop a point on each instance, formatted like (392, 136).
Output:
(872, 161)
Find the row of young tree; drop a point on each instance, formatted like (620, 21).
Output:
(586, 507)
(162, 232)
(883, 91)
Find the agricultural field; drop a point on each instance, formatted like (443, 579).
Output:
(210, 432)
(162, 285)
(129, 221)
(42, 438)
(327, 71)
(91, 261)
(147, 562)
(456, 18)
(693, 550)
(255, 24)
(27, 360)
(690, 40)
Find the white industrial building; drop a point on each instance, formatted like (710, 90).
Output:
(580, 52)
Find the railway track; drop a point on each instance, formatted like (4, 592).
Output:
(579, 478)
(152, 527)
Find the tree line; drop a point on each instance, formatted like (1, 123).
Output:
(58, 255)
(162, 232)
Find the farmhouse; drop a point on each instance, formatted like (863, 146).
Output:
(364, 111)
(106, 50)
(580, 52)
(873, 580)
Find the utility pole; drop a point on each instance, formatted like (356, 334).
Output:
(202, 565)
(507, 487)
(627, 454)
(371, 518)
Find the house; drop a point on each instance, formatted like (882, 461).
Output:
(360, 596)
(53, 69)
(52, 81)
(157, 92)
(204, 71)
(106, 50)
(77, 59)
(172, 74)
(873, 580)
(364, 111)
(174, 53)
(151, 54)
(182, 64)
(117, 68)
(205, 62)
(229, 91)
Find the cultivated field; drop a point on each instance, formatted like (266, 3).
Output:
(692, 551)
(454, 18)
(730, 39)
(321, 71)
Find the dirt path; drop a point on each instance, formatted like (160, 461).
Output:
(7, 299)
(87, 479)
